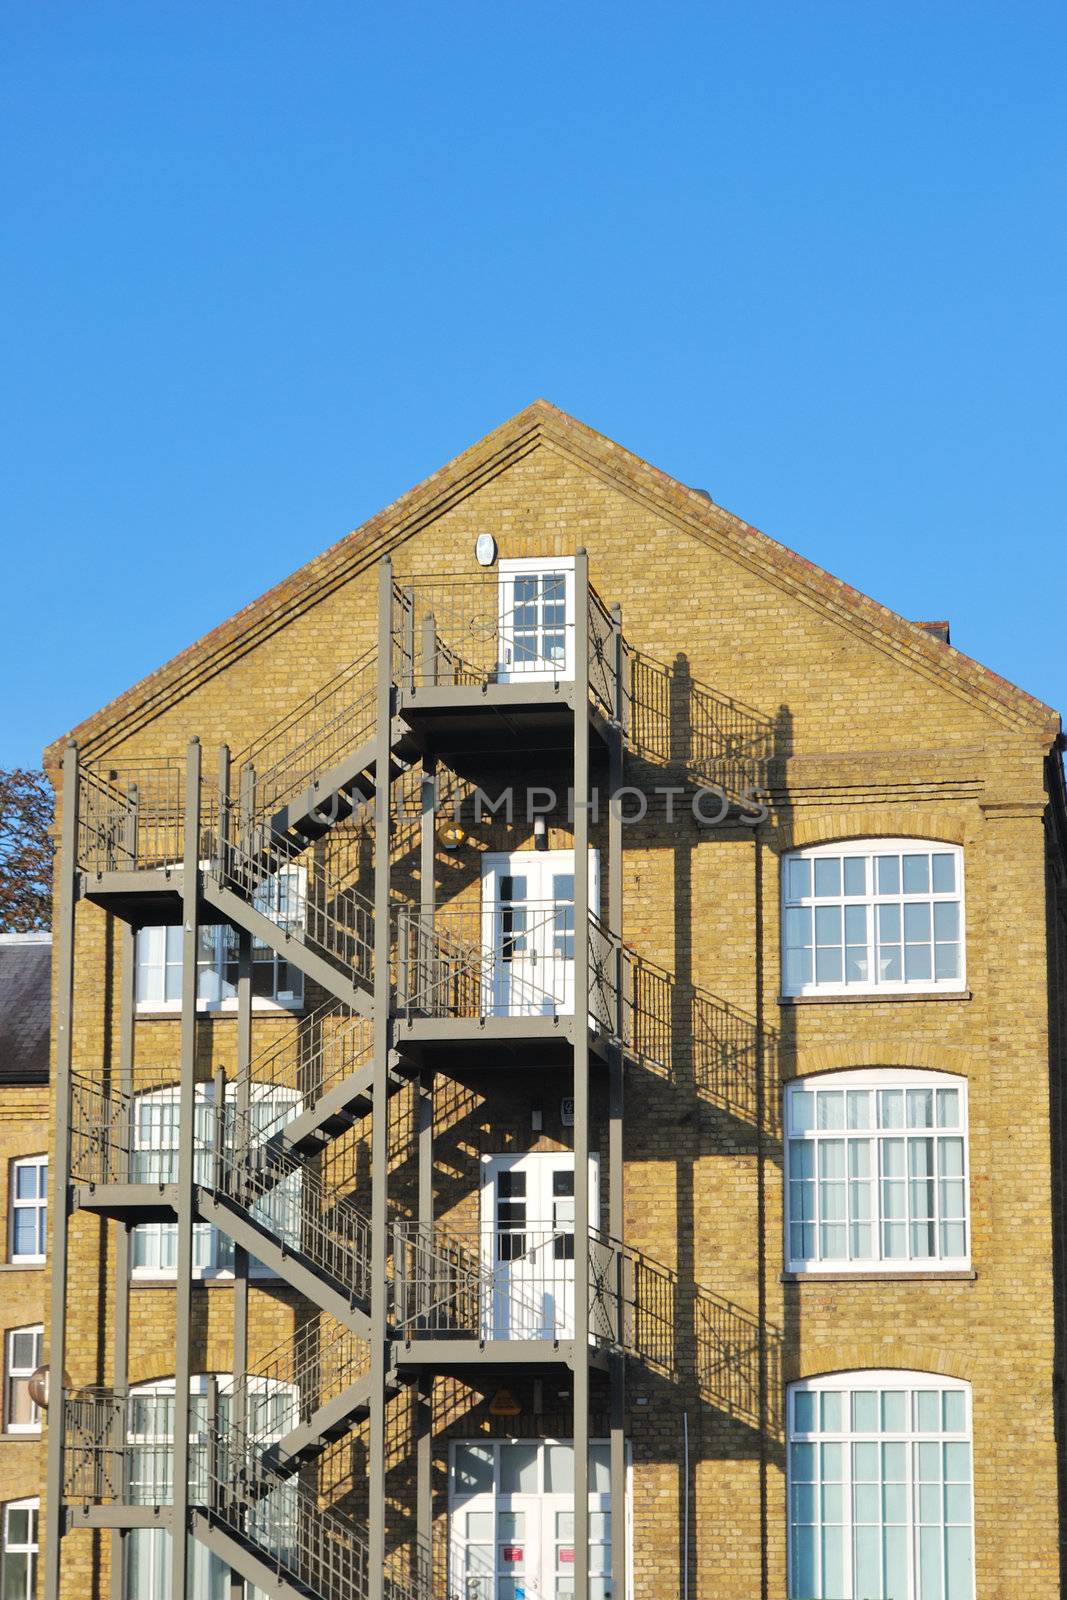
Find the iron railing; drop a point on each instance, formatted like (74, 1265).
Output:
(312, 906)
(281, 1193)
(119, 1449)
(320, 1360)
(131, 818)
(486, 959)
(486, 1283)
(500, 628)
(306, 743)
(329, 1044)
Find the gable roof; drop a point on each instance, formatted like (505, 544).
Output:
(542, 425)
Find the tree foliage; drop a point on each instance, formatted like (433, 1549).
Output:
(26, 850)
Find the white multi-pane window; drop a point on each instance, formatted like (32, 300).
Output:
(29, 1210)
(22, 1357)
(150, 1455)
(154, 1245)
(873, 916)
(18, 1573)
(880, 1499)
(876, 1171)
(275, 981)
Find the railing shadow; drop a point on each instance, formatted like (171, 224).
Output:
(738, 1370)
(677, 722)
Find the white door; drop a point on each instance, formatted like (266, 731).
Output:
(512, 1520)
(536, 622)
(528, 930)
(528, 1243)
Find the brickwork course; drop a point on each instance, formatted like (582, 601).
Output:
(855, 723)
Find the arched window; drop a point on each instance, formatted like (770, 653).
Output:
(154, 1159)
(879, 1484)
(873, 916)
(273, 1409)
(876, 1171)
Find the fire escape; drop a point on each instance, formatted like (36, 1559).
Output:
(410, 986)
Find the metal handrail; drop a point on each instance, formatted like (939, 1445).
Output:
(447, 967)
(329, 916)
(328, 1045)
(315, 1364)
(119, 1449)
(478, 1281)
(282, 1194)
(131, 818)
(459, 631)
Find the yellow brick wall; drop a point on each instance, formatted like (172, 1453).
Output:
(25, 1127)
(863, 739)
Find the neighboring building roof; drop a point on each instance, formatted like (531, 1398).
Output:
(690, 510)
(25, 1006)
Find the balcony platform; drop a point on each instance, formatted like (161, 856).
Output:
(496, 719)
(127, 1202)
(146, 897)
(86, 1514)
(450, 1043)
(464, 1354)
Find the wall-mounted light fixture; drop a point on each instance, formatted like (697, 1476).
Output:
(485, 550)
(540, 833)
(450, 835)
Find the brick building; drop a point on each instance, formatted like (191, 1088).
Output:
(25, 1118)
(689, 858)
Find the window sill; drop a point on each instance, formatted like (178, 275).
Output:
(895, 998)
(173, 1013)
(23, 1266)
(919, 1275)
(220, 1282)
(31, 1436)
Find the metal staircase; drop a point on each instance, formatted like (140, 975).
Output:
(270, 847)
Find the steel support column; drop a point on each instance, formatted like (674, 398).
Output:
(582, 1218)
(127, 986)
(64, 960)
(243, 1091)
(380, 1114)
(616, 1106)
(423, 1394)
(183, 1288)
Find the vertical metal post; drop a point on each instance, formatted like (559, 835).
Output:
(243, 1093)
(582, 1218)
(424, 1474)
(616, 1101)
(183, 1289)
(64, 959)
(127, 984)
(380, 1118)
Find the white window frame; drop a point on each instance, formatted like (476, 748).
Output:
(874, 1080)
(869, 849)
(542, 670)
(32, 1548)
(879, 1382)
(39, 1204)
(12, 1373)
(209, 1248)
(154, 1560)
(211, 973)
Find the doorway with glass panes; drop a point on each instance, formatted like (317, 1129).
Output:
(511, 1520)
(528, 1243)
(528, 930)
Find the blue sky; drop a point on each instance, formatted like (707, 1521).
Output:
(265, 265)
